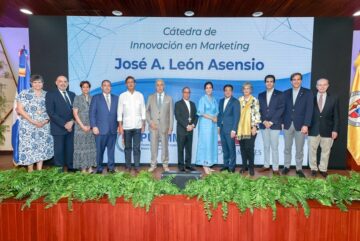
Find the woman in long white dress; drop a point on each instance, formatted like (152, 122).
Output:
(35, 141)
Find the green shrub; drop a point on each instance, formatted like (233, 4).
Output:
(213, 190)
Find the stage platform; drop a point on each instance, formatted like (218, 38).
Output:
(6, 163)
(173, 218)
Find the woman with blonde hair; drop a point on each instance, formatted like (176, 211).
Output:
(247, 128)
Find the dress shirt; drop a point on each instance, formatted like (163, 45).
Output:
(268, 95)
(161, 97)
(187, 102)
(323, 99)
(295, 94)
(226, 102)
(62, 94)
(131, 110)
(109, 98)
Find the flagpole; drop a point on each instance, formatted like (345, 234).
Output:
(23, 83)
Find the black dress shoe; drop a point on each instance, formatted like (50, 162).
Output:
(111, 171)
(285, 171)
(224, 169)
(243, 169)
(232, 170)
(300, 174)
(313, 173)
(182, 169)
(251, 172)
(190, 168)
(99, 172)
(324, 174)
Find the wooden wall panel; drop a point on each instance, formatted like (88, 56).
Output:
(173, 218)
(10, 16)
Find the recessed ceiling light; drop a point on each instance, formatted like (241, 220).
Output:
(189, 13)
(257, 14)
(117, 13)
(356, 14)
(26, 11)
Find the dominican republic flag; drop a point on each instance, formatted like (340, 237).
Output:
(23, 83)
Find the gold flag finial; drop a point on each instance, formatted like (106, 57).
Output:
(357, 61)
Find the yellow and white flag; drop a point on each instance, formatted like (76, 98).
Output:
(353, 141)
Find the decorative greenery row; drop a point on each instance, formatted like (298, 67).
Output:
(215, 189)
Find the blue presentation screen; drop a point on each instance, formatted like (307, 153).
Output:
(188, 52)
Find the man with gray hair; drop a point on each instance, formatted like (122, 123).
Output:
(160, 118)
(59, 107)
(324, 127)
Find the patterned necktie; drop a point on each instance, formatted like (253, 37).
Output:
(67, 99)
(107, 101)
(320, 103)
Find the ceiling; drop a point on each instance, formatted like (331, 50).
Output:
(10, 16)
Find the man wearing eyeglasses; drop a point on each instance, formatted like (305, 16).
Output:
(185, 115)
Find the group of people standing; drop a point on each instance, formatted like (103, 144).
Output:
(77, 130)
(296, 111)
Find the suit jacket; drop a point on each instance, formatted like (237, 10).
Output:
(101, 117)
(182, 116)
(163, 117)
(299, 113)
(229, 118)
(58, 111)
(272, 112)
(325, 122)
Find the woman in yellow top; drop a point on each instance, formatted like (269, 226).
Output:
(247, 128)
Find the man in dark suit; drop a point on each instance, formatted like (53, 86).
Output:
(296, 119)
(59, 108)
(272, 107)
(227, 122)
(324, 127)
(103, 121)
(186, 118)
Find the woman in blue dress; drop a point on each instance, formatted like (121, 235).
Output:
(35, 141)
(207, 151)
